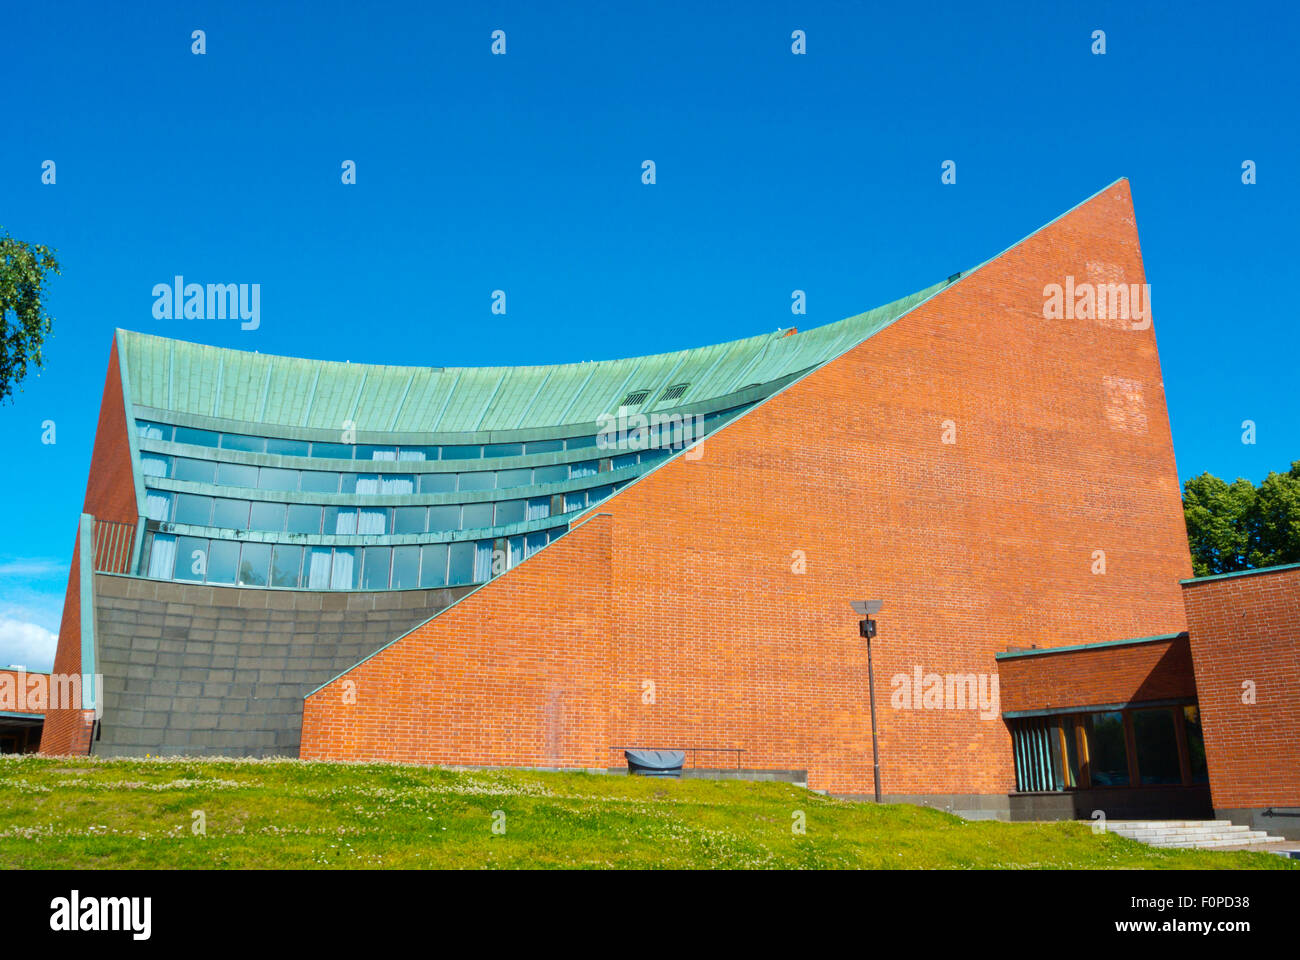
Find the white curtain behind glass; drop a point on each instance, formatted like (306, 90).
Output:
(162, 556)
(482, 560)
(318, 575)
(157, 505)
(373, 520)
(342, 576)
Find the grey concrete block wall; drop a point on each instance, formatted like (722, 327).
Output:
(194, 669)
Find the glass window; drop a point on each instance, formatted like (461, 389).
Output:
(1157, 746)
(230, 514)
(254, 564)
(236, 475)
(397, 484)
(194, 471)
(287, 448)
(408, 520)
(345, 520)
(577, 443)
(316, 568)
(575, 501)
(476, 515)
(503, 450)
(153, 431)
(320, 481)
(158, 505)
(334, 451)
(437, 482)
(160, 555)
(554, 473)
(268, 516)
(374, 569)
(285, 566)
(543, 446)
(303, 518)
(461, 453)
(376, 453)
(417, 453)
(588, 468)
(597, 494)
(191, 558)
(433, 565)
(539, 508)
(461, 563)
(343, 573)
(483, 480)
(1107, 754)
(626, 460)
(237, 441)
(155, 465)
(1195, 744)
(367, 484)
(275, 478)
(406, 567)
(223, 558)
(510, 511)
(198, 438)
(347, 482)
(191, 508)
(514, 478)
(373, 520)
(444, 517)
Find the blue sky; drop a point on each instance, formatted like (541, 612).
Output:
(522, 172)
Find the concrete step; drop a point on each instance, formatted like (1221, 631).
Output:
(1198, 835)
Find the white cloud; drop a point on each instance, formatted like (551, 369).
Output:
(35, 568)
(26, 644)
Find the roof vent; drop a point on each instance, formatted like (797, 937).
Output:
(674, 392)
(635, 398)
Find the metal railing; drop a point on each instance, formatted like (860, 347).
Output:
(691, 751)
(113, 547)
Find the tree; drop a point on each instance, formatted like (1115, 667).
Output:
(24, 270)
(1239, 526)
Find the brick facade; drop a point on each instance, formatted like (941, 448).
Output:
(724, 581)
(1245, 638)
(1102, 676)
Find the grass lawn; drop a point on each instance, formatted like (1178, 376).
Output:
(86, 813)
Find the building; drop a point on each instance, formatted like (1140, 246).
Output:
(23, 700)
(542, 566)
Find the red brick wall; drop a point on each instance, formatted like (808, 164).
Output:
(110, 495)
(974, 546)
(1158, 670)
(1247, 628)
(14, 697)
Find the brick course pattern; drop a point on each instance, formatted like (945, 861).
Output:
(1247, 628)
(110, 495)
(1156, 670)
(681, 618)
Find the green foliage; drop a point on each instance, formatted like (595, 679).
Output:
(61, 812)
(24, 269)
(1239, 526)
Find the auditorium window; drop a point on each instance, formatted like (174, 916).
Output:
(191, 559)
(375, 567)
(158, 505)
(578, 443)
(162, 556)
(406, 567)
(437, 482)
(461, 565)
(443, 517)
(343, 573)
(409, 520)
(269, 517)
(274, 478)
(155, 465)
(510, 511)
(503, 450)
(237, 441)
(539, 508)
(194, 471)
(588, 468)
(254, 564)
(514, 478)
(331, 451)
(462, 453)
(287, 448)
(476, 515)
(197, 438)
(320, 481)
(555, 473)
(223, 561)
(1157, 746)
(1195, 744)
(153, 431)
(575, 501)
(1107, 753)
(543, 446)
(376, 453)
(433, 565)
(286, 562)
(484, 480)
(303, 518)
(372, 521)
(417, 453)
(230, 514)
(191, 508)
(236, 475)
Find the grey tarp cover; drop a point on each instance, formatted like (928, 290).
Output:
(655, 762)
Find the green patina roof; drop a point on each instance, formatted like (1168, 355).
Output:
(194, 379)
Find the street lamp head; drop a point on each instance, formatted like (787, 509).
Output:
(865, 608)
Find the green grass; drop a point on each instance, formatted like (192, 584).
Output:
(85, 813)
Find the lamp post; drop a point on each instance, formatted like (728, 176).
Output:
(867, 630)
